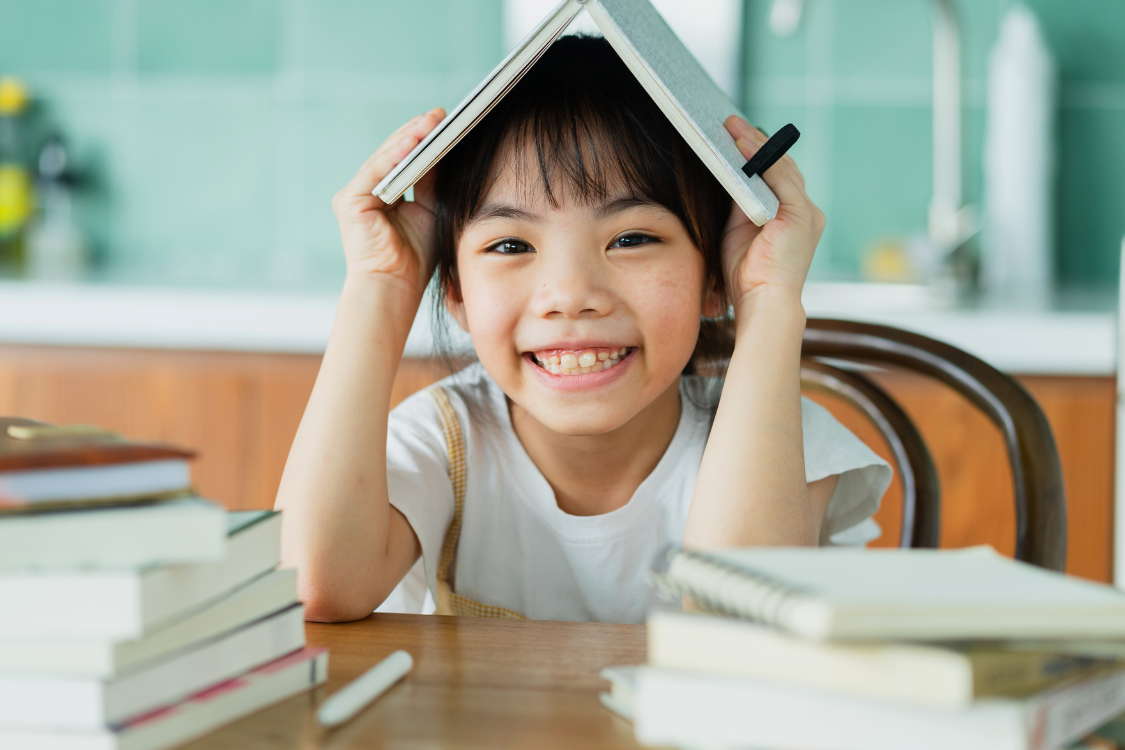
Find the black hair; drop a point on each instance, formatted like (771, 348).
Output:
(586, 127)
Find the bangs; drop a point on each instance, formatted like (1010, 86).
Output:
(579, 127)
(582, 146)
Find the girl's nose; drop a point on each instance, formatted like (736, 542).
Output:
(570, 285)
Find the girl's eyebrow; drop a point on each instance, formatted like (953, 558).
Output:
(624, 204)
(616, 206)
(502, 211)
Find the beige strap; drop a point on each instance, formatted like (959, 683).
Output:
(449, 602)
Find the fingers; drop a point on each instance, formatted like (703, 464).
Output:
(388, 155)
(784, 178)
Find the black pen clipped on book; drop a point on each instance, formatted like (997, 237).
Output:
(772, 150)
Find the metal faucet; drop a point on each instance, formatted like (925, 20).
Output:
(950, 222)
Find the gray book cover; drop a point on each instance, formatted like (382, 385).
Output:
(692, 101)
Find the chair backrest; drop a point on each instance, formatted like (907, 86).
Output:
(1033, 458)
(914, 467)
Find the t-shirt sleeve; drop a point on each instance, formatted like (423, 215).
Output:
(832, 450)
(418, 475)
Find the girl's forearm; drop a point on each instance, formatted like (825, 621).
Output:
(751, 488)
(337, 528)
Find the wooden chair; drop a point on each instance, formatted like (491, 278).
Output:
(1033, 458)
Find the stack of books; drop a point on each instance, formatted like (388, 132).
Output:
(841, 649)
(133, 614)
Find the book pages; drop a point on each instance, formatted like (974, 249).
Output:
(685, 93)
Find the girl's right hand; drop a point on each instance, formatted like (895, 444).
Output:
(381, 240)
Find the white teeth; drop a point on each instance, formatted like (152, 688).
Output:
(578, 364)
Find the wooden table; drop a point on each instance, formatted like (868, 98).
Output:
(476, 683)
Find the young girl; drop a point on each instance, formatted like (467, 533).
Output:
(585, 248)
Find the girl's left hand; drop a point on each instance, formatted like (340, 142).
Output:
(775, 256)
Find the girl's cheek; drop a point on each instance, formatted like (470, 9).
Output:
(669, 300)
(492, 306)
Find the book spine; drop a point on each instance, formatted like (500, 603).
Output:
(1072, 711)
(1018, 673)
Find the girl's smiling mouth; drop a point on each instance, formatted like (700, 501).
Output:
(569, 362)
(580, 369)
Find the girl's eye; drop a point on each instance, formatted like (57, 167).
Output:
(633, 240)
(509, 247)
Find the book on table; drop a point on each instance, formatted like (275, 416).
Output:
(679, 86)
(136, 616)
(198, 715)
(850, 594)
(44, 467)
(178, 531)
(86, 703)
(129, 603)
(85, 657)
(931, 674)
(683, 708)
(841, 649)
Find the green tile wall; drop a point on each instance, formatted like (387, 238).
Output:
(57, 35)
(214, 132)
(208, 36)
(855, 78)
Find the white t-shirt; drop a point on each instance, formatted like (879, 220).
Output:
(519, 551)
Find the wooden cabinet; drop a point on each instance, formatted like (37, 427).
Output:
(240, 411)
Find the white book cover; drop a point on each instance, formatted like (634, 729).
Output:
(86, 703)
(682, 709)
(104, 659)
(692, 101)
(186, 530)
(903, 594)
(200, 714)
(128, 603)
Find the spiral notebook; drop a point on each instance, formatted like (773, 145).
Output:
(691, 101)
(894, 594)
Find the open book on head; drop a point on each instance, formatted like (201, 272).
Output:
(687, 96)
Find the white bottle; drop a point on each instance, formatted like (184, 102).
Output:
(1019, 166)
(56, 249)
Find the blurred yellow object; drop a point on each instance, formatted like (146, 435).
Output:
(888, 261)
(13, 96)
(15, 198)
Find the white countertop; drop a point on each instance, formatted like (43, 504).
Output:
(1041, 342)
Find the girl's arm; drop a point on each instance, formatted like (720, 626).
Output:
(751, 488)
(350, 547)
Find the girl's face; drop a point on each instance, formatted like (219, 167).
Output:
(582, 314)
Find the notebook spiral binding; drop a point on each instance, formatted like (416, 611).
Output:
(722, 589)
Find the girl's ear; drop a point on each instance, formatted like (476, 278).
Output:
(455, 304)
